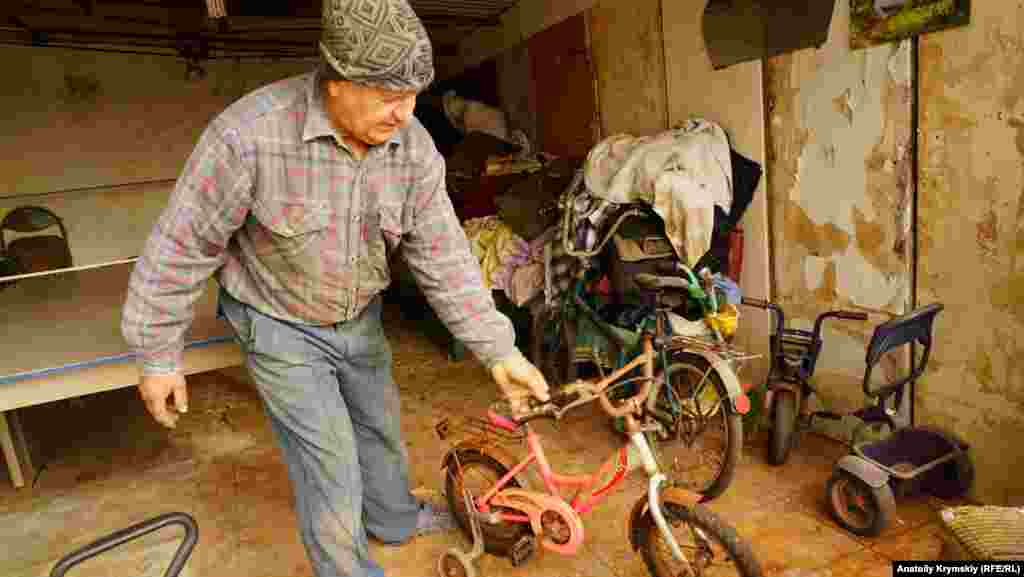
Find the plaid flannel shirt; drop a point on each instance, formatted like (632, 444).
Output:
(272, 203)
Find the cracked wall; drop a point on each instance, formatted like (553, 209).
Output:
(840, 178)
(628, 53)
(840, 191)
(971, 239)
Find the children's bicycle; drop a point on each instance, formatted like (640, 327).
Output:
(909, 459)
(794, 355)
(499, 503)
(696, 403)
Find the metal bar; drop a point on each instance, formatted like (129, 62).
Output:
(123, 536)
(914, 179)
(88, 49)
(147, 36)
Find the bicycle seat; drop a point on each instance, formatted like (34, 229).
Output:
(655, 282)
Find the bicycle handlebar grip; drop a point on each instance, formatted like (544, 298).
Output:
(761, 304)
(852, 315)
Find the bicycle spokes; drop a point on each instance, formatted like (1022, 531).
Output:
(696, 440)
(705, 555)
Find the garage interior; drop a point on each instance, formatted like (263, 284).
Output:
(892, 177)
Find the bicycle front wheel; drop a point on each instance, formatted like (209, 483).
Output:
(703, 434)
(710, 545)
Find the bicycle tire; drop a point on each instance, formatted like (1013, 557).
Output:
(732, 427)
(498, 539)
(783, 426)
(710, 526)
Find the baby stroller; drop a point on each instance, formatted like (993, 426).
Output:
(910, 460)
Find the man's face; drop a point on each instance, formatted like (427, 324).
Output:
(368, 114)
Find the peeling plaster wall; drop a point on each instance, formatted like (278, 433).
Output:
(840, 188)
(971, 239)
(840, 179)
(627, 49)
(87, 119)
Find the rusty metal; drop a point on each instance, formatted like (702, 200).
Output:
(640, 516)
(467, 428)
(723, 349)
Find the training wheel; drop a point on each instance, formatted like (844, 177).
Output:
(455, 563)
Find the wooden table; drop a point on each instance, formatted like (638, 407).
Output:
(61, 339)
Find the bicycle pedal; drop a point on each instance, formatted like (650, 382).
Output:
(523, 549)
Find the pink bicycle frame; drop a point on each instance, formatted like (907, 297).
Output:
(615, 468)
(587, 497)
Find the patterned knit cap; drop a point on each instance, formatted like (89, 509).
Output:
(377, 42)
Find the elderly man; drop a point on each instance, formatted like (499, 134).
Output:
(295, 198)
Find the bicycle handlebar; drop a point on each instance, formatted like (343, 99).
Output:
(776, 310)
(559, 404)
(629, 405)
(845, 315)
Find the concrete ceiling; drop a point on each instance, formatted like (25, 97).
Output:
(251, 28)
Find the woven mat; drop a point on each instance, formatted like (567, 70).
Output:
(986, 532)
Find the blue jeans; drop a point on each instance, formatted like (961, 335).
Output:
(335, 412)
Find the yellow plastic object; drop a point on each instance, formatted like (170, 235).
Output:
(725, 320)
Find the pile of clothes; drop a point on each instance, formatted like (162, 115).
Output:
(689, 177)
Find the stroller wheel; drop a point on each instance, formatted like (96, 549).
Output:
(857, 506)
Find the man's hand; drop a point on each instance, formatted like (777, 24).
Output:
(156, 389)
(519, 379)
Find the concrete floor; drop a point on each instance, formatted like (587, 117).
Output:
(107, 465)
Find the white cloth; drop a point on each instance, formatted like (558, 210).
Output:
(683, 173)
(469, 115)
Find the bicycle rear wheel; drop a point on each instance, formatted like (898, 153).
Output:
(710, 545)
(703, 434)
(477, 472)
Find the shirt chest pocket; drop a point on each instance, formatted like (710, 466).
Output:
(289, 233)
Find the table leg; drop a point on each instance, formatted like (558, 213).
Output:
(10, 451)
(21, 445)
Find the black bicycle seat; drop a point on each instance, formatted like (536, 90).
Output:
(655, 282)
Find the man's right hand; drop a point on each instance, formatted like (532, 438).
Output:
(155, 390)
